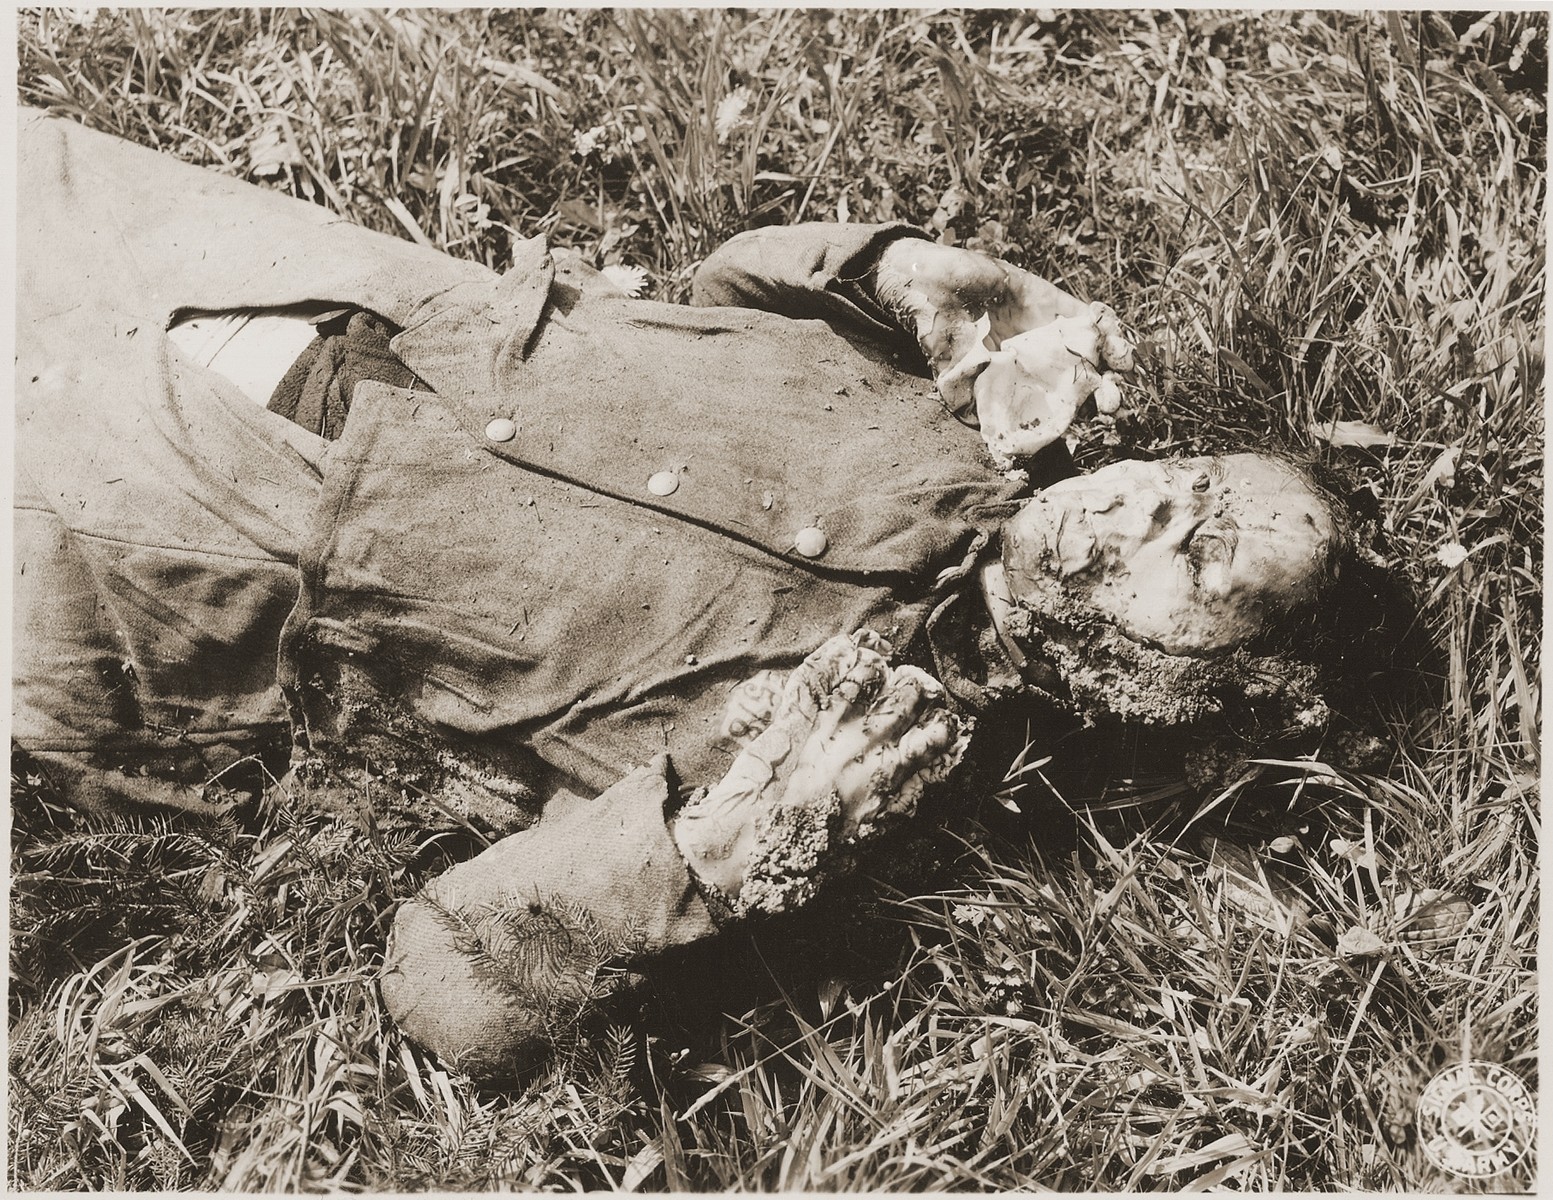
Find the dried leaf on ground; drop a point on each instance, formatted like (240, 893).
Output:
(1361, 434)
(1358, 942)
(1430, 916)
(1256, 887)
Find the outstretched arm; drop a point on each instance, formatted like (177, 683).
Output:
(813, 270)
(499, 956)
(1012, 354)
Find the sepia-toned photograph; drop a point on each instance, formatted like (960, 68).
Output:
(647, 599)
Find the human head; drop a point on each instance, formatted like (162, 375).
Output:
(1192, 556)
(1266, 633)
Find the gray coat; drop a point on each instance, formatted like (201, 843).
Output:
(197, 578)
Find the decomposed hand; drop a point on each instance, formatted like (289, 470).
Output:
(1010, 352)
(849, 750)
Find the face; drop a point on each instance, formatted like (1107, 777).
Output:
(1191, 555)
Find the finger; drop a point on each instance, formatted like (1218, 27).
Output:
(862, 680)
(1108, 395)
(1115, 350)
(957, 385)
(882, 797)
(935, 746)
(819, 673)
(871, 639)
(1086, 382)
(926, 755)
(840, 669)
(899, 774)
(895, 709)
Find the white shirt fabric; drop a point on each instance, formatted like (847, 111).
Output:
(254, 348)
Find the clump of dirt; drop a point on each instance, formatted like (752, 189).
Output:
(793, 844)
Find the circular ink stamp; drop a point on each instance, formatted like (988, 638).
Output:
(1476, 1119)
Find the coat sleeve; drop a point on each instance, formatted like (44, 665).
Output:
(812, 270)
(501, 956)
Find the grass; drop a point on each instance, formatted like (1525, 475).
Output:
(1312, 220)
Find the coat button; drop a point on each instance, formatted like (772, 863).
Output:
(664, 483)
(810, 541)
(501, 430)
